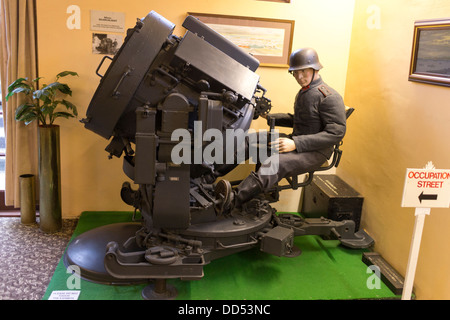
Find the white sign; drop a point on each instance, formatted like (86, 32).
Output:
(427, 188)
(107, 21)
(64, 295)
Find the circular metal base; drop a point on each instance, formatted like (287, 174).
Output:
(159, 290)
(87, 251)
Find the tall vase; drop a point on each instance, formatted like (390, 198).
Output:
(27, 187)
(49, 179)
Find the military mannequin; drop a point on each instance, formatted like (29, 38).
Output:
(318, 123)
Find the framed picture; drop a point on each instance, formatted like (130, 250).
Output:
(106, 43)
(268, 40)
(430, 60)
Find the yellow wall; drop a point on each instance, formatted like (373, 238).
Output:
(92, 182)
(397, 125)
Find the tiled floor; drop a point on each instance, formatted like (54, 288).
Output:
(28, 257)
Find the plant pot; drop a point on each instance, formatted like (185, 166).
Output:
(27, 186)
(49, 179)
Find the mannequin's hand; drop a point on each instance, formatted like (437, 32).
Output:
(284, 145)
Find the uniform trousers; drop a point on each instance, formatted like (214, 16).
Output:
(289, 164)
(282, 165)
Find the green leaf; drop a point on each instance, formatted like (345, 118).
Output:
(16, 83)
(29, 117)
(43, 95)
(70, 106)
(63, 114)
(62, 87)
(23, 110)
(47, 109)
(66, 73)
(24, 89)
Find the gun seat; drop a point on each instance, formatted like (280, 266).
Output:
(333, 162)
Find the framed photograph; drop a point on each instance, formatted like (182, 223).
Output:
(106, 43)
(430, 59)
(268, 40)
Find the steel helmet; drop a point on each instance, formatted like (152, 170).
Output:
(303, 59)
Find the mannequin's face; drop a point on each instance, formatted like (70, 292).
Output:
(303, 77)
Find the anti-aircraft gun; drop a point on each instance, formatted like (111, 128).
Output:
(156, 84)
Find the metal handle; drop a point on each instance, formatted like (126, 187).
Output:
(100, 65)
(116, 92)
(238, 245)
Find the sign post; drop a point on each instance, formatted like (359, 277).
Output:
(424, 189)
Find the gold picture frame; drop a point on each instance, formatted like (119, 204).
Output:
(430, 58)
(268, 40)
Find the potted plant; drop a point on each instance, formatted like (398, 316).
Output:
(45, 105)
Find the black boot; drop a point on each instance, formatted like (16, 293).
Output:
(245, 191)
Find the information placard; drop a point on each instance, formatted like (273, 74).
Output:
(424, 189)
(427, 188)
(64, 295)
(107, 21)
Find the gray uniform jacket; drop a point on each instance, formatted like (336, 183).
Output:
(319, 120)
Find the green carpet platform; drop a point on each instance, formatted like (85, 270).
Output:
(324, 271)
